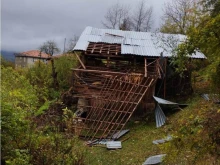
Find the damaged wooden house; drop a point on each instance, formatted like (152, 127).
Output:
(118, 76)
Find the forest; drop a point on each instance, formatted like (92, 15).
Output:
(37, 106)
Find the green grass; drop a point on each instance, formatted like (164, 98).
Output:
(134, 150)
(189, 144)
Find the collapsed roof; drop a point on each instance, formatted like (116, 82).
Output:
(134, 43)
(118, 72)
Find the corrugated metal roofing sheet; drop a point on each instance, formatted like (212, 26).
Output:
(112, 39)
(162, 101)
(139, 50)
(160, 116)
(82, 45)
(135, 43)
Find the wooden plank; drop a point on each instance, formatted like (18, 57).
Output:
(80, 60)
(145, 67)
(106, 72)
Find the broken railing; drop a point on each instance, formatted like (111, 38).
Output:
(112, 98)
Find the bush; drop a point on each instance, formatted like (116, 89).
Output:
(18, 102)
(195, 135)
(22, 142)
(39, 75)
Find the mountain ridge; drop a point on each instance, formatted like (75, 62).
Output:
(8, 55)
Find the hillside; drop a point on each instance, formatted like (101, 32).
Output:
(8, 55)
(195, 138)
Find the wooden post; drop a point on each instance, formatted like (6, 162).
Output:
(165, 72)
(134, 64)
(80, 60)
(108, 58)
(145, 67)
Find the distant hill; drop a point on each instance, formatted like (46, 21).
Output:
(8, 55)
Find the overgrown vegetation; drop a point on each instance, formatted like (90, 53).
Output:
(36, 115)
(27, 93)
(38, 131)
(196, 133)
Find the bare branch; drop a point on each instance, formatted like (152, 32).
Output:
(49, 47)
(116, 16)
(179, 15)
(72, 43)
(142, 17)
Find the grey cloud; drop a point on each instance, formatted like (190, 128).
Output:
(26, 24)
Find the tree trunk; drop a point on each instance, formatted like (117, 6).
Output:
(54, 75)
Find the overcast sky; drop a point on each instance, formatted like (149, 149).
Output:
(27, 24)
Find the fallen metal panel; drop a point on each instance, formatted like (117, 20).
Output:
(119, 134)
(160, 116)
(113, 145)
(162, 101)
(160, 141)
(154, 159)
(212, 97)
(102, 142)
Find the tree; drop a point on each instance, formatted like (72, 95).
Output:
(142, 17)
(50, 48)
(119, 17)
(179, 15)
(126, 24)
(72, 43)
(116, 16)
(63, 67)
(213, 6)
(206, 37)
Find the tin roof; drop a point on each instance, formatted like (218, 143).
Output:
(134, 43)
(33, 53)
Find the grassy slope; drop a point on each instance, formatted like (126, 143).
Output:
(191, 144)
(135, 150)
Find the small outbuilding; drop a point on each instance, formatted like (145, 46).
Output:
(28, 58)
(119, 73)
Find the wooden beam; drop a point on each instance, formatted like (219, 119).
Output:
(107, 55)
(101, 49)
(145, 67)
(165, 77)
(108, 61)
(80, 60)
(106, 72)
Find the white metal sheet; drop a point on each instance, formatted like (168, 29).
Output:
(163, 101)
(154, 159)
(113, 145)
(135, 43)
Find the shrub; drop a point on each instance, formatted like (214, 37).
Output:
(63, 66)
